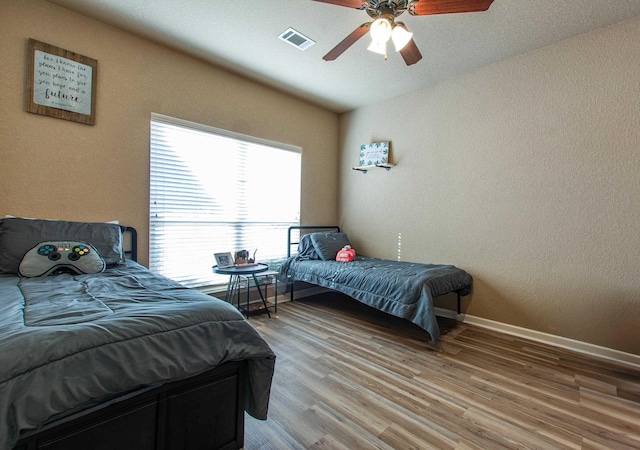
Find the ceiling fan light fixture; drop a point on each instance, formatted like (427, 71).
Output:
(380, 30)
(400, 37)
(383, 27)
(379, 47)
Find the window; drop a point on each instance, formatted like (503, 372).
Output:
(214, 191)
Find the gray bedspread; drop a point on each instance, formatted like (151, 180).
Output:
(69, 342)
(402, 289)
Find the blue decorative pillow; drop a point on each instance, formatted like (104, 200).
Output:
(18, 235)
(49, 257)
(328, 244)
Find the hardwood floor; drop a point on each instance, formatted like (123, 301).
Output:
(350, 377)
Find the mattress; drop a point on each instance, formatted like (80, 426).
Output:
(402, 289)
(69, 342)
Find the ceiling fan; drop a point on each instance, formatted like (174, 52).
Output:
(384, 26)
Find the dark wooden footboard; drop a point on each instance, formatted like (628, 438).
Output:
(205, 411)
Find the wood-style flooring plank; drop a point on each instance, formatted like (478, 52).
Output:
(350, 377)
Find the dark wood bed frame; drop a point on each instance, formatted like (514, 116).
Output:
(203, 411)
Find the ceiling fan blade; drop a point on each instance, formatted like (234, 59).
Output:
(348, 3)
(410, 53)
(430, 7)
(347, 42)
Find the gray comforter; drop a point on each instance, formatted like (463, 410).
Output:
(402, 289)
(70, 342)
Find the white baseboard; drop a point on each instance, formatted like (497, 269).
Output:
(448, 313)
(282, 298)
(617, 356)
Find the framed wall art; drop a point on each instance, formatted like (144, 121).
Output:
(61, 83)
(374, 154)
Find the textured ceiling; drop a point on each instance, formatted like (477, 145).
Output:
(242, 36)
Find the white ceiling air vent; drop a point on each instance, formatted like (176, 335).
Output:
(296, 39)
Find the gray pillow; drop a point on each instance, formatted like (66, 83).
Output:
(306, 250)
(18, 236)
(328, 244)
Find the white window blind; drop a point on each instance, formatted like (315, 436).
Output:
(214, 191)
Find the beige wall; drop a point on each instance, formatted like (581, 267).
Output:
(58, 169)
(525, 173)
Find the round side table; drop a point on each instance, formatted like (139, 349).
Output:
(248, 271)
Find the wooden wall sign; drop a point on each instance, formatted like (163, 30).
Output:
(61, 83)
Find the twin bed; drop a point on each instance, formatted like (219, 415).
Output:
(121, 358)
(402, 289)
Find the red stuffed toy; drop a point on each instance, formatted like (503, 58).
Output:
(347, 254)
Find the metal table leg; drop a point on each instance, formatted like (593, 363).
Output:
(231, 288)
(264, 302)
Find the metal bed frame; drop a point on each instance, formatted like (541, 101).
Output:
(130, 242)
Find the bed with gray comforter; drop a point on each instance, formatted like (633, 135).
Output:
(402, 289)
(68, 342)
